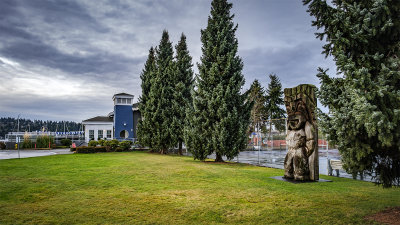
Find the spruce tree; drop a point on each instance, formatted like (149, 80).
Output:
(160, 102)
(148, 73)
(220, 115)
(364, 101)
(256, 95)
(183, 81)
(275, 103)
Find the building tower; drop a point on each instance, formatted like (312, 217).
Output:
(123, 116)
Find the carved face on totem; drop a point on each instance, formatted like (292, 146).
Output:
(297, 114)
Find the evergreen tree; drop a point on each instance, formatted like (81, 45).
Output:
(275, 103)
(148, 73)
(10, 125)
(256, 95)
(220, 115)
(182, 91)
(160, 100)
(364, 120)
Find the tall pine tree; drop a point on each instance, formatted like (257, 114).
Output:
(220, 115)
(159, 106)
(148, 73)
(275, 103)
(256, 94)
(364, 103)
(183, 81)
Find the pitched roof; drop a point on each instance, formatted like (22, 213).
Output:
(124, 94)
(99, 119)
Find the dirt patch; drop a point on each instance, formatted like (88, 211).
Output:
(388, 216)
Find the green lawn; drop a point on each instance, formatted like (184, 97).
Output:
(140, 187)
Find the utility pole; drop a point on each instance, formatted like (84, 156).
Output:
(19, 156)
(258, 130)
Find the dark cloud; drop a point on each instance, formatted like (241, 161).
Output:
(102, 45)
(293, 65)
(64, 13)
(42, 54)
(74, 109)
(22, 46)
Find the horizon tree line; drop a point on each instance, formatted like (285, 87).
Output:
(9, 124)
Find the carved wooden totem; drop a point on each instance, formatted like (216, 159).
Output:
(301, 161)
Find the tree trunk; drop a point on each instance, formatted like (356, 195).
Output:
(180, 148)
(218, 158)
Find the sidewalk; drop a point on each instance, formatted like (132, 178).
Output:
(12, 154)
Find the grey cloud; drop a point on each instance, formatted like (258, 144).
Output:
(108, 41)
(293, 65)
(23, 46)
(42, 54)
(55, 109)
(64, 13)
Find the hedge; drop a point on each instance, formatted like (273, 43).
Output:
(90, 149)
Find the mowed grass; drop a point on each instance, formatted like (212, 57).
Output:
(144, 188)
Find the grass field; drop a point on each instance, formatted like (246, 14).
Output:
(140, 187)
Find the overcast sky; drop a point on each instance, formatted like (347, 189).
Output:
(64, 60)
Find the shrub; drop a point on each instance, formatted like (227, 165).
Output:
(93, 143)
(66, 142)
(114, 144)
(118, 149)
(101, 142)
(111, 145)
(107, 144)
(95, 149)
(2, 145)
(85, 149)
(43, 141)
(27, 144)
(89, 149)
(125, 145)
(100, 149)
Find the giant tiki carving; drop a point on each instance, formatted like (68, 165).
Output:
(301, 161)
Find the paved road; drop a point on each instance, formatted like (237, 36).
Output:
(12, 154)
(275, 159)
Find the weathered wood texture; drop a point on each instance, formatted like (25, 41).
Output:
(301, 161)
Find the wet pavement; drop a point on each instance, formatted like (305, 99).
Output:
(13, 154)
(275, 159)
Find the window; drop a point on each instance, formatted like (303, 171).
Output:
(119, 100)
(124, 101)
(129, 101)
(100, 134)
(91, 134)
(108, 133)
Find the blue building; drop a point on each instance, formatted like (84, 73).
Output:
(120, 124)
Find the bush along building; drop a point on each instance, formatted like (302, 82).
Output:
(120, 124)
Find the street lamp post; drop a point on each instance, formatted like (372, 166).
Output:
(17, 139)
